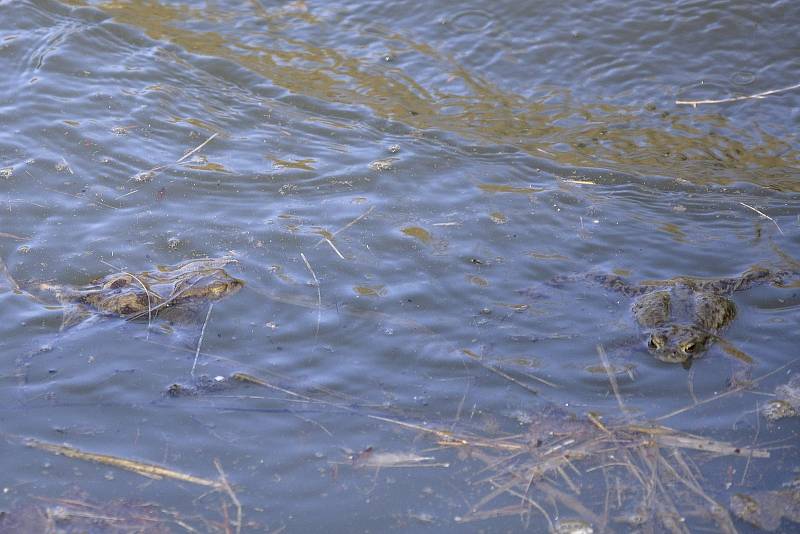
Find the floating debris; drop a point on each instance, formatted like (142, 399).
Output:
(503, 188)
(418, 233)
(766, 509)
(778, 409)
(141, 468)
(380, 165)
(786, 403)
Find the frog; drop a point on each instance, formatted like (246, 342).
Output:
(681, 318)
(173, 293)
(201, 385)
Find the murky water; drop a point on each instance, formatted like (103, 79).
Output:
(399, 182)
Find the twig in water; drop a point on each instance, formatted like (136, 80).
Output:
(126, 194)
(753, 383)
(737, 98)
(319, 293)
(149, 470)
(200, 341)
(477, 359)
(763, 215)
(346, 226)
(201, 145)
(146, 176)
(612, 379)
(229, 490)
(755, 440)
(336, 250)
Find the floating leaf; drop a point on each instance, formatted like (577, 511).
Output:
(478, 281)
(498, 218)
(367, 291)
(419, 233)
(504, 188)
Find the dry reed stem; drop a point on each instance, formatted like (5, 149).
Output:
(319, 293)
(201, 145)
(346, 226)
(763, 215)
(244, 377)
(763, 94)
(601, 352)
(229, 490)
(647, 467)
(755, 439)
(527, 500)
(144, 469)
(477, 359)
(100, 202)
(200, 339)
(669, 438)
(713, 398)
(542, 380)
(336, 250)
(148, 174)
(493, 514)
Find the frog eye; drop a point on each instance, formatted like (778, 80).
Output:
(654, 342)
(690, 347)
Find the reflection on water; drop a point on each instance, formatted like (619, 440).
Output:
(402, 186)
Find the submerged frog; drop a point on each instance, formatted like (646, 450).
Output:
(172, 293)
(682, 317)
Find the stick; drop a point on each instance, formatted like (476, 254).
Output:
(145, 176)
(336, 250)
(229, 490)
(200, 341)
(763, 215)
(346, 226)
(201, 145)
(725, 394)
(144, 469)
(319, 293)
(497, 371)
(612, 379)
(694, 103)
(753, 444)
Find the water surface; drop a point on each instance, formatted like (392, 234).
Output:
(436, 166)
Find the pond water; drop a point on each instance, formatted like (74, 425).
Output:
(399, 184)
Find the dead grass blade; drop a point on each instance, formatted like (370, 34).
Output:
(477, 359)
(719, 396)
(201, 145)
(229, 490)
(200, 339)
(319, 293)
(345, 227)
(695, 103)
(612, 379)
(763, 215)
